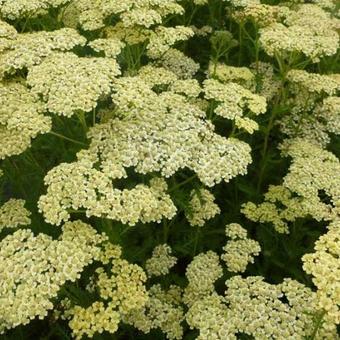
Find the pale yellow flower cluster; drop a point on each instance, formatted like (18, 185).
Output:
(201, 207)
(161, 261)
(27, 8)
(34, 268)
(121, 289)
(111, 47)
(226, 73)
(163, 132)
(257, 308)
(260, 14)
(308, 30)
(132, 13)
(164, 37)
(233, 100)
(163, 310)
(267, 83)
(68, 83)
(20, 118)
(14, 214)
(177, 62)
(78, 185)
(310, 178)
(239, 250)
(324, 266)
(315, 108)
(202, 273)
(23, 51)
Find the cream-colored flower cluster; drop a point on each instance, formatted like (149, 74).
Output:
(233, 100)
(163, 310)
(164, 37)
(311, 176)
(324, 266)
(256, 308)
(69, 84)
(226, 73)
(308, 30)
(78, 185)
(239, 250)
(33, 268)
(121, 290)
(315, 108)
(132, 14)
(27, 8)
(202, 273)
(111, 47)
(161, 261)
(23, 51)
(14, 214)
(20, 118)
(201, 207)
(164, 133)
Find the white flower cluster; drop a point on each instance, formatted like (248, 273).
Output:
(162, 310)
(27, 8)
(78, 185)
(201, 207)
(20, 118)
(324, 266)
(33, 268)
(161, 261)
(233, 100)
(256, 308)
(121, 290)
(68, 83)
(309, 30)
(239, 250)
(23, 51)
(14, 214)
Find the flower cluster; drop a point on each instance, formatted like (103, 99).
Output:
(121, 291)
(21, 118)
(308, 30)
(69, 84)
(201, 207)
(79, 185)
(257, 308)
(163, 310)
(13, 214)
(34, 268)
(323, 265)
(27, 8)
(233, 100)
(23, 51)
(161, 261)
(239, 250)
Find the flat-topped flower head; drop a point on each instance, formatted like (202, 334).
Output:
(35, 267)
(25, 50)
(14, 214)
(69, 84)
(21, 118)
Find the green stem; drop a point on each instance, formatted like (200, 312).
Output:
(66, 138)
(318, 323)
(182, 183)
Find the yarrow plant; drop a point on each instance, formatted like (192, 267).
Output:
(169, 169)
